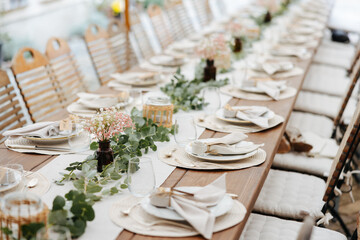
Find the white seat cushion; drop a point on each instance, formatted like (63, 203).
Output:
(259, 227)
(335, 54)
(323, 104)
(299, 162)
(291, 195)
(326, 79)
(322, 126)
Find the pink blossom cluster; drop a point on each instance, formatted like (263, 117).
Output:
(215, 48)
(236, 29)
(108, 123)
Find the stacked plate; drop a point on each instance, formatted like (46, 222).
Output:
(137, 79)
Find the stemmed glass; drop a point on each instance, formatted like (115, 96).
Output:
(80, 140)
(211, 96)
(53, 233)
(9, 171)
(240, 75)
(185, 130)
(137, 96)
(141, 177)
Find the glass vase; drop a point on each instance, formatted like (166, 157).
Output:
(267, 17)
(209, 71)
(104, 155)
(237, 45)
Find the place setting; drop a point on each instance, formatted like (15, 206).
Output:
(180, 211)
(50, 138)
(13, 178)
(163, 63)
(89, 103)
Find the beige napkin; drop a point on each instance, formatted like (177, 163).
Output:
(151, 67)
(322, 147)
(40, 129)
(254, 114)
(271, 88)
(298, 52)
(194, 206)
(96, 101)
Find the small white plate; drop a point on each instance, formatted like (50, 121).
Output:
(170, 214)
(222, 158)
(284, 67)
(220, 115)
(137, 79)
(257, 90)
(53, 140)
(168, 61)
(17, 181)
(88, 104)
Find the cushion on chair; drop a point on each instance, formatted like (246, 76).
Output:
(299, 162)
(291, 195)
(323, 104)
(335, 54)
(259, 227)
(322, 126)
(326, 79)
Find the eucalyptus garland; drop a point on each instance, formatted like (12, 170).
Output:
(184, 94)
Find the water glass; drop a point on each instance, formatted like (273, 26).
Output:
(80, 140)
(141, 177)
(211, 96)
(8, 176)
(54, 232)
(185, 130)
(137, 96)
(240, 74)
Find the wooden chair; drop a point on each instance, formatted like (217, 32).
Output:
(142, 40)
(98, 45)
(162, 30)
(181, 15)
(173, 10)
(65, 68)
(203, 10)
(37, 84)
(11, 115)
(121, 49)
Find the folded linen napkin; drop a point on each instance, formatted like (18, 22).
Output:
(40, 129)
(96, 101)
(322, 147)
(299, 52)
(155, 68)
(254, 114)
(193, 206)
(271, 88)
(130, 77)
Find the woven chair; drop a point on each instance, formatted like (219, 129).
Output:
(173, 9)
(121, 48)
(162, 29)
(203, 10)
(11, 115)
(37, 84)
(140, 36)
(293, 195)
(65, 68)
(98, 45)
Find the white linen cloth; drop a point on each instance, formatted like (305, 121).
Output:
(194, 208)
(255, 115)
(40, 129)
(271, 88)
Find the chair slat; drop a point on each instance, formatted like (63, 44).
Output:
(203, 10)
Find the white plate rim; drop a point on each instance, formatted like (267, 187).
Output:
(226, 205)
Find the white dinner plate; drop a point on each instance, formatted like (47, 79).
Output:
(137, 79)
(17, 176)
(52, 140)
(88, 104)
(220, 115)
(168, 61)
(284, 67)
(170, 214)
(222, 158)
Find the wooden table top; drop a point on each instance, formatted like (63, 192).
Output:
(246, 183)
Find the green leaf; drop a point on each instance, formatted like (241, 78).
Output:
(58, 217)
(58, 203)
(93, 188)
(113, 190)
(29, 231)
(94, 146)
(115, 176)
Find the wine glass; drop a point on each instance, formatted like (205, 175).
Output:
(141, 177)
(10, 169)
(185, 130)
(212, 100)
(54, 232)
(137, 96)
(240, 74)
(80, 140)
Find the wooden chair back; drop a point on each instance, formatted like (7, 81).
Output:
(121, 49)
(355, 58)
(182, 16)
(354, 78)
(162, 30)
(140, 36)
(37, 84)
(11, 115)
(172, 8)
(97, 42)
(222, 7)
(66, 69)
(346, 148)
(203, 10)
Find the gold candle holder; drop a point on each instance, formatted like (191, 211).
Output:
(19, 209)
(160, 110)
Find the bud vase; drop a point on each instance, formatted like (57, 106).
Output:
(237, 45)
(267, 17)
(104, 155)
(209, 71)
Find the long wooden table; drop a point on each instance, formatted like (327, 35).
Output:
(246, 183)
